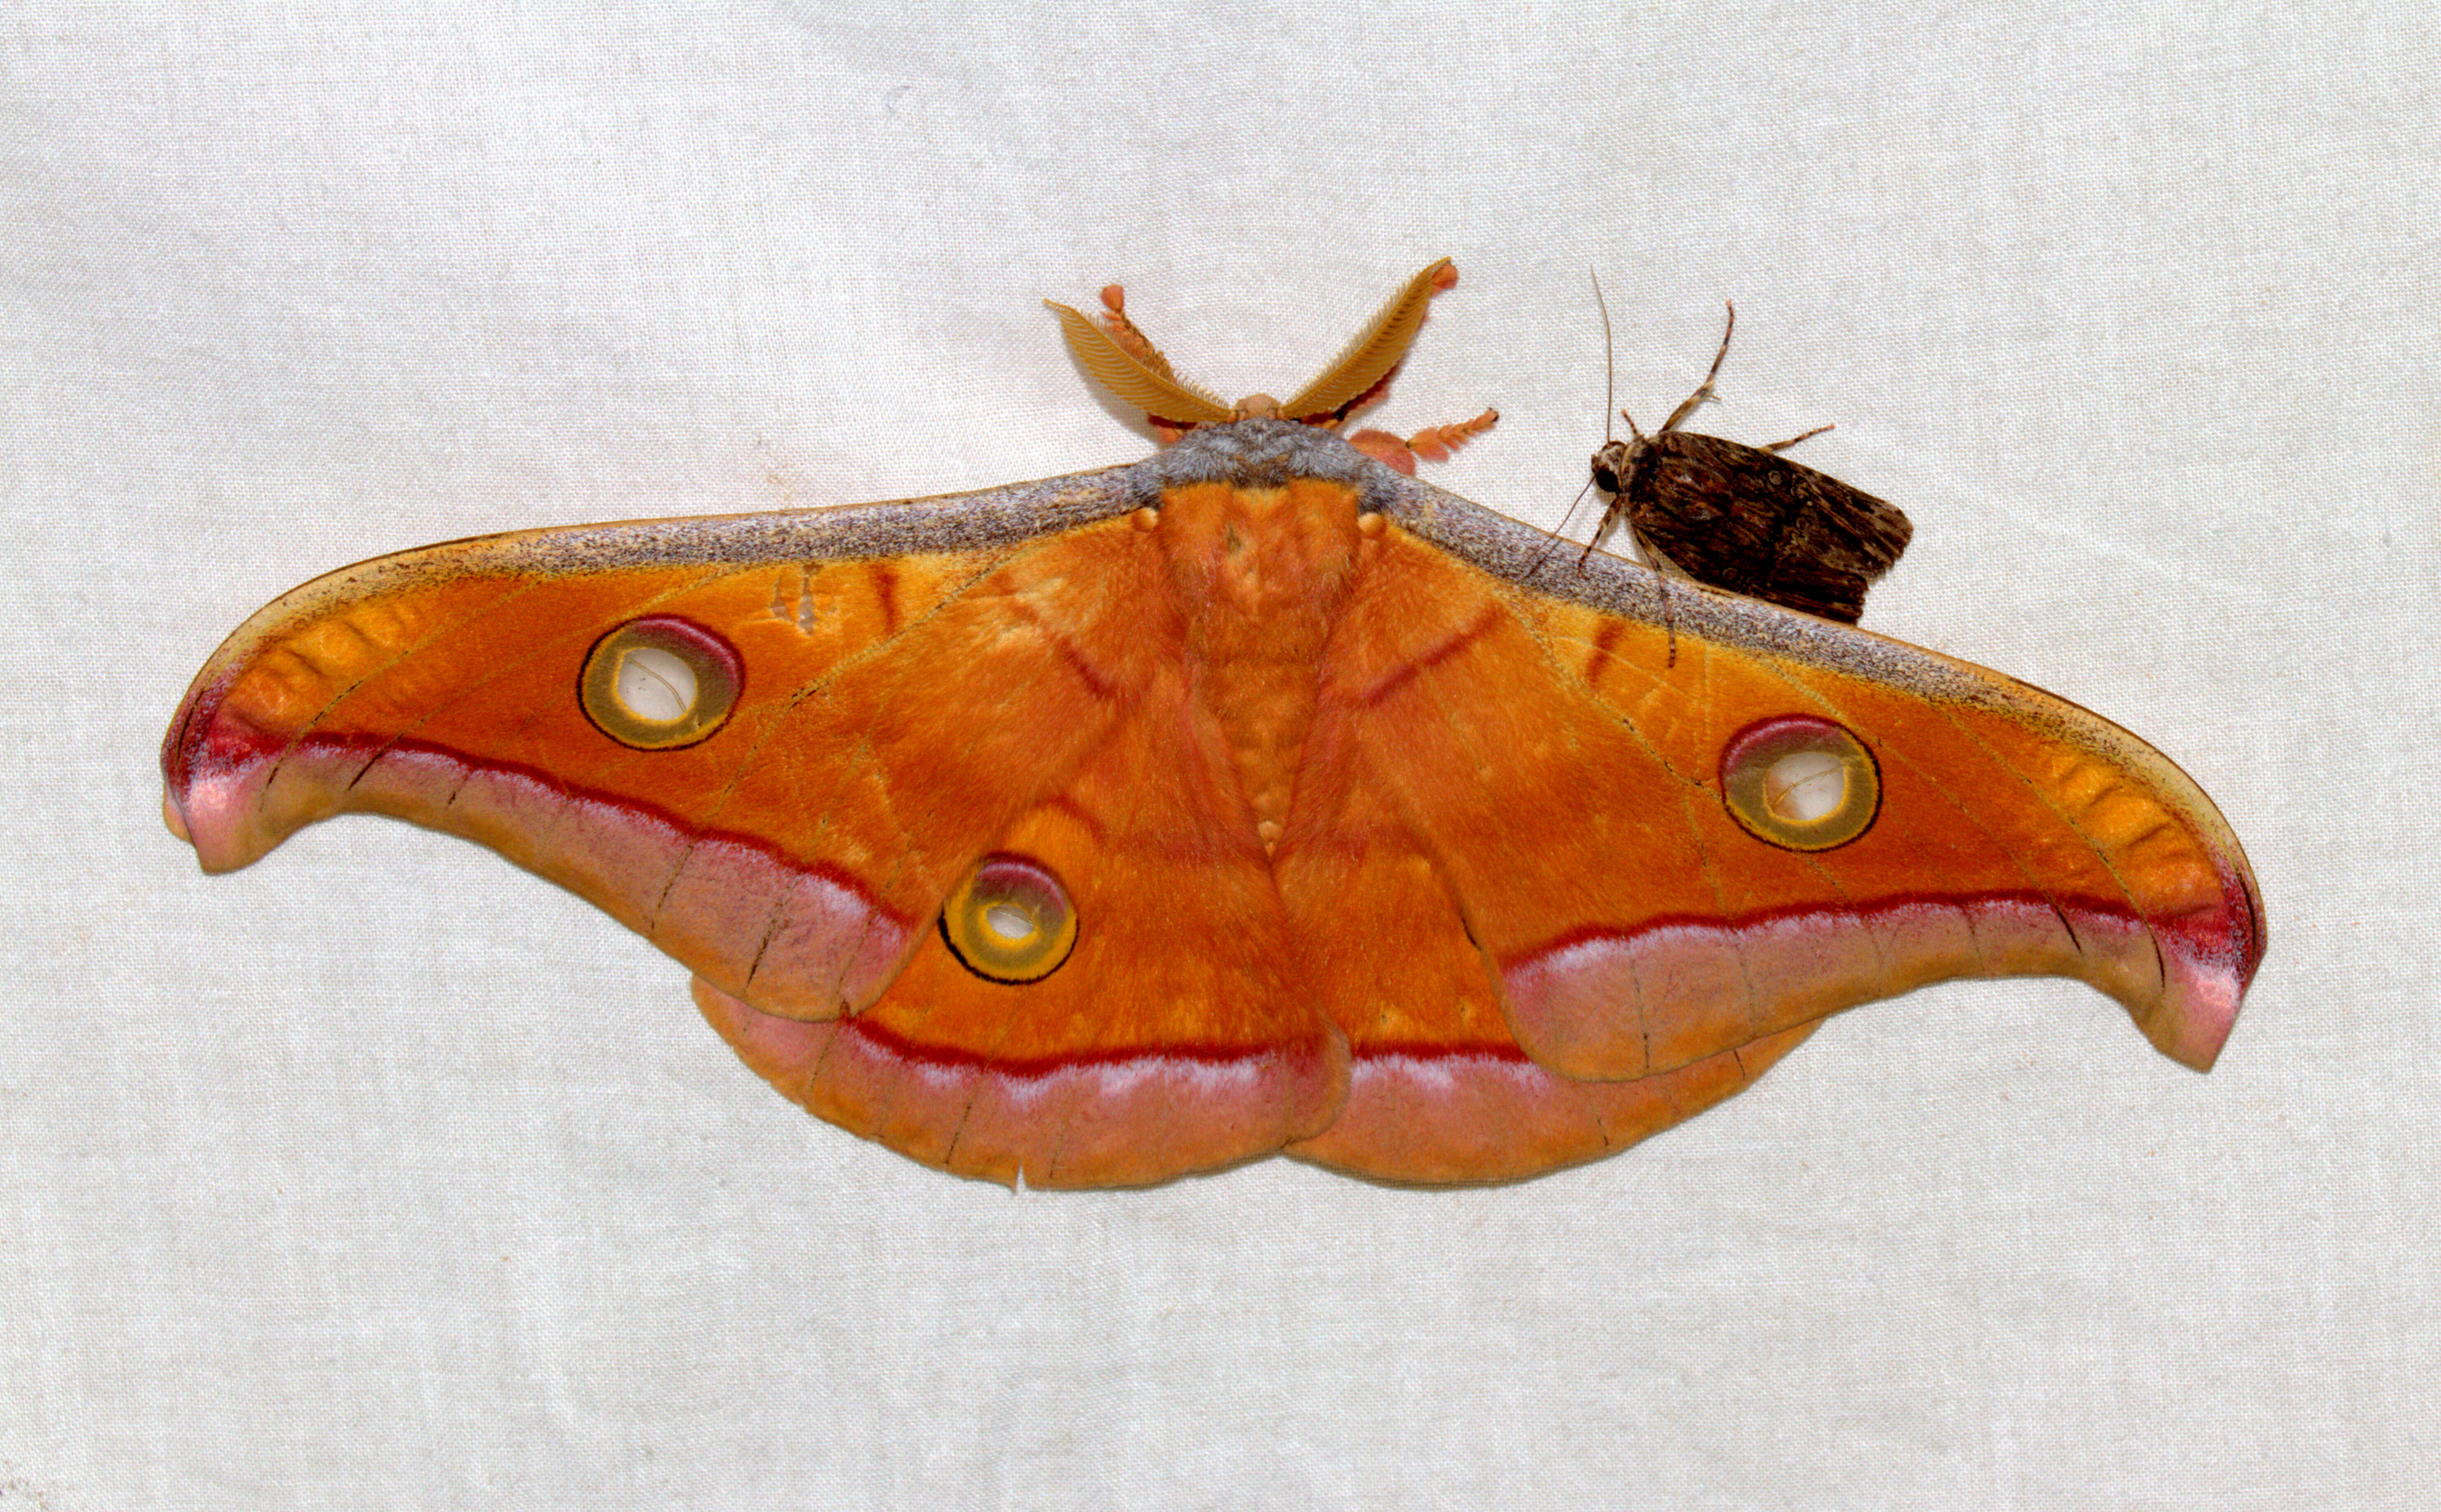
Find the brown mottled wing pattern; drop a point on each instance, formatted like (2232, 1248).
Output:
(1753, 522)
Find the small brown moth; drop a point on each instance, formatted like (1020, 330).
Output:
(1744, 517)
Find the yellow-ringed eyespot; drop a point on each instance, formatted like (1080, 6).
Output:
(1010, 920)
(660, 683)
(1800, 783)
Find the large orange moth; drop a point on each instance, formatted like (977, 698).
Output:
(1253, 798)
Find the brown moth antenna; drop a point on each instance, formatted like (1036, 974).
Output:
(1610, 392)
(1610, 396)
(1619, 463)
(1610, 356)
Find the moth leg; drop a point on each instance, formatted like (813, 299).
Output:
(1434, 443)
(1113, 316)
(1704, 391)
(1612, 514)
(1657, 563)
(1663, 569)
(1782, 446)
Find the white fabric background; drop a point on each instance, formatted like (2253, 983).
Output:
(382, 1174)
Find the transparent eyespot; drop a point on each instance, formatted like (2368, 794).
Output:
(660, 683)
(1800, 783)
(1010, 920)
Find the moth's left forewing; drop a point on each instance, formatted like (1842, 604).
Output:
(1638, 922)
(330, 697)
(773, 744)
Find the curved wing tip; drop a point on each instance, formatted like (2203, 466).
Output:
(2196, 1048)
(2200, 1010)
(210, 781)
(172, 817)
(2211, 988)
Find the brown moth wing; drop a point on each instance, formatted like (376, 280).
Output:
(1751, 521)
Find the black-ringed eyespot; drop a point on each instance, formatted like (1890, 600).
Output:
(660, 683)
(1010, 920)
(1800, 783)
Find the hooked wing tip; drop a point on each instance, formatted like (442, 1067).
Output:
(178, 762)
(2207, 967)
(213, 766)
